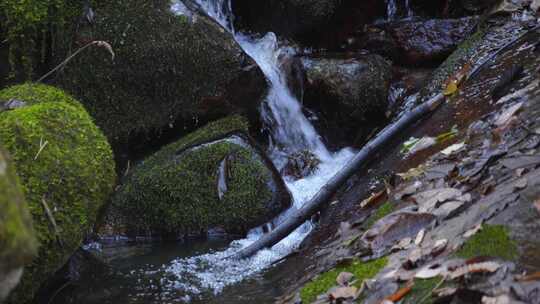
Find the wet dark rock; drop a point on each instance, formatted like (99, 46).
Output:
(405, 84)
(301, 164)
(348, 96)
(417, 42)
(477, 5)
(322, 23)
(296, 76)
(507, 78)
(170, 73)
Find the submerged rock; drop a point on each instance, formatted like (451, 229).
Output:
(211, 178)
(17, 239)
(170, 71)
(301, 164)
(348, 96)
(66, 168)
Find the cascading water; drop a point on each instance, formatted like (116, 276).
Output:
(408, 8)
(392, 10)
(291, 131)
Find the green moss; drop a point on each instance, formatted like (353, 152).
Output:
(166, 72)
(175, 191)
(17, 240)
(64, 163)
(33, 29)
(384, 210)
(32, 93)
(321, 284)
(492, 241)
(422, 290)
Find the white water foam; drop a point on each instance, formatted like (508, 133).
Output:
(291, 131)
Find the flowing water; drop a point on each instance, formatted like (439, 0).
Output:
(392, 10)
(291, 131)
(200, 277)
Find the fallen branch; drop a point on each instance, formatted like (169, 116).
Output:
(327, 191)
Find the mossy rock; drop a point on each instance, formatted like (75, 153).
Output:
(67, 171)
(212, 178)
(169, 71)
(18, 244)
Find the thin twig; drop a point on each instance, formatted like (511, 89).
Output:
(50, 216)
(42, 146)
(68, 59)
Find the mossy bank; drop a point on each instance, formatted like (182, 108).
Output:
(212, 178)
(66, 169)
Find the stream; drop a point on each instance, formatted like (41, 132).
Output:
(196, 272)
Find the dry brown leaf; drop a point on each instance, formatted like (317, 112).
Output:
(343, 293)
(344, 278)
(401, 293)
(520, 183)
(450, 89)
(420, 237)
(507, 115)
(429, 199)
(472, 231)
(439, 247)
(481, 267)
(412, 173)
(430, 272)
(529, 277)
(373, 199)
(502, 299)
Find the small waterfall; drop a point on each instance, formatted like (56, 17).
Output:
(391, 10)
(408, 9)
(291, 131)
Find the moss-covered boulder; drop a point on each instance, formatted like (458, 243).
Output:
(66, 168)
(348, 96)
(17, 240)
(169, 71)
(212, 178)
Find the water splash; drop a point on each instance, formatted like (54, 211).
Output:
(291, 131)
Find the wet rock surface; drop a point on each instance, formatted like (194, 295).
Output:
(480, 189)
(319, 23)
(418, 42)
(347, 96)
